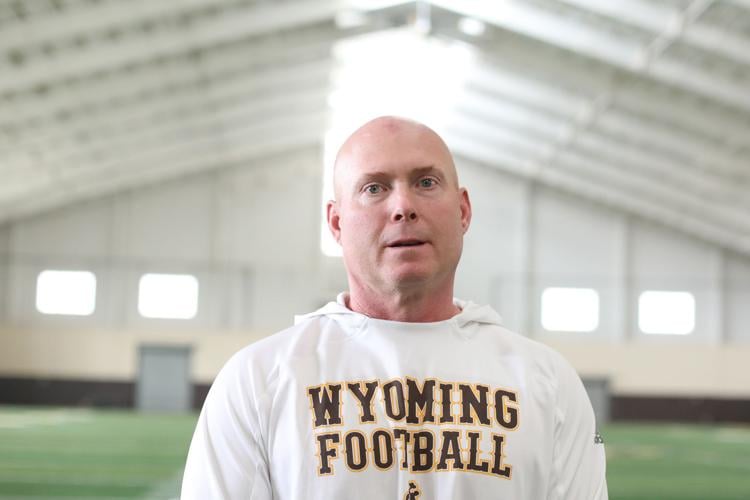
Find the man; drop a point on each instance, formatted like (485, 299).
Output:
(397, 390)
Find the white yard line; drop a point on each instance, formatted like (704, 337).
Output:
(24, 419)
(71, 481)
(738, 435)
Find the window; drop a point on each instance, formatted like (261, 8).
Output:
(670, 313)
(570, 309)
(71, 293)
(169, 296)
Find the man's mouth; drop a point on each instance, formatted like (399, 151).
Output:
(405, 243)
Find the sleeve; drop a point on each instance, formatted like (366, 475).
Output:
(227, 458)
(579, 461)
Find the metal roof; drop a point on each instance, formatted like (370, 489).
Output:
(640, 104)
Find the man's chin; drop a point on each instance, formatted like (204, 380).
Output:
(411, 278)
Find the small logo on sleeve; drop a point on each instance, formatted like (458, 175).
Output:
(413, 492)
(598, 439)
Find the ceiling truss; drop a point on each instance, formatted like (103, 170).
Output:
(638, 104)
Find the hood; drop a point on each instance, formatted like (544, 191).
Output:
(470, 314)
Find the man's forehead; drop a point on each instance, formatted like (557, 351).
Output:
(389, 143)
(355, 169)
(406, 136)
(391, 132)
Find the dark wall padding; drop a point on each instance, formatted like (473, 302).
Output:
(57, 392)
(675, 409)
(54, 392)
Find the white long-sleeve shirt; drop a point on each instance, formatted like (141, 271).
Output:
(344, 406)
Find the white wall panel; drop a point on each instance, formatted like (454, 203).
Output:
(219, 227)
(578, 245)
(166, 222)
(21, 304)
(251, 236)
(4, 240)
(4, 262)
(492, 265)
(738, 300)
(75, 238)
(332, 278)
(211, 296)
(279, 295)
(235, 312)
(81, 230)
(668, 261)
(269, 212)
(576, 240)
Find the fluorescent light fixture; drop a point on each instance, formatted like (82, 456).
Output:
(472, 27)
(670, 313)
(570, 309)
(168, 296)
(70, 293)
(350, 18)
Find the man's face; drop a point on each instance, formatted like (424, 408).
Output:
(400, 216)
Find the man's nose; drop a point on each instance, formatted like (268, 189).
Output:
(404, 214)
(403, 207)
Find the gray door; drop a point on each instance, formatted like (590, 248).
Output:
(164, 379)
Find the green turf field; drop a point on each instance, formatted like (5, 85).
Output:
(88, 454)
(97, 454)
(678, 462)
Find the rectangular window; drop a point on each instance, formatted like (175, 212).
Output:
(671, 313)
(570, 309)
(168, 296)
(70, 293)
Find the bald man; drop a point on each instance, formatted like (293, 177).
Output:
(397, 389)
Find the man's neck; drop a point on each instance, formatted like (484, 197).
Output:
(411, 306)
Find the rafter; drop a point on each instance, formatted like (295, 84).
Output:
(258, 19)
(157, 81)
(524, 70)
(660, 193)
(599, 191)
(711, 189)
(536, 159)
(57, 26)
(659, 20)
(606, 110)
(106, 124)
(630, 56)
(179, 135)
(286, 131)
(541, 95)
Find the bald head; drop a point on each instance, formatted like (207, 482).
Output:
(400, 218)
(401, 138)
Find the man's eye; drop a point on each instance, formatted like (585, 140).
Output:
(373, 189)
(427, 182)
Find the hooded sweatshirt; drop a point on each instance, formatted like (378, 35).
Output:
(344, 406)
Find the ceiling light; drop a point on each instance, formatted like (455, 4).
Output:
(350, 18)
(470, 26)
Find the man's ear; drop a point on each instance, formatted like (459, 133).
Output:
(465, 205)
(334, 220)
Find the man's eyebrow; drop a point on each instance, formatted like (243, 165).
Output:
(433, 170)
(430, 169)
(371, 176)
(415, 172)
